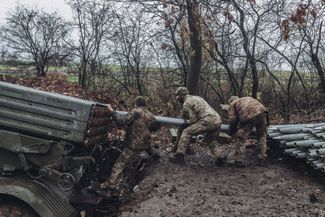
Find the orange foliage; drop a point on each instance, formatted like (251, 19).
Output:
(294, 18)
(314, 13)
(184, 33)
(58, 83)
(285, 29)
(163, 46)
(227, 14)
(168, 22)
(299, 17)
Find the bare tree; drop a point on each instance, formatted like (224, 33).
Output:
(223, 45)
(131, 46)
(4, 54)
(194, 23)
(249, 17)
(35, 33)
(174, 13)
(308, 18)
(175, 40)
(93, 22)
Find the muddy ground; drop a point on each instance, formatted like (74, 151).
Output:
(200, 188)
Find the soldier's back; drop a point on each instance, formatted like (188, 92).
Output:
(248, 108)
(200, 106)
(141, 136)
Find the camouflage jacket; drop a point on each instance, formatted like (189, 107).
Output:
(139, 124)
(196, 108)
(242, 110)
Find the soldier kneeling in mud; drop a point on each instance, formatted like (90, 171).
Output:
(139, 124)
(244, 115)
(202, 118)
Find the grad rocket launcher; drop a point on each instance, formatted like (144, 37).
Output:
(47, 146)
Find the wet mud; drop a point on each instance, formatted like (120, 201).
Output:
(200, 188)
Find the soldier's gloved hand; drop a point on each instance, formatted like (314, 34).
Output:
(231, 133)
(232, 130)
(185, 124)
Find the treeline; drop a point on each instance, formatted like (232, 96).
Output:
(273, 49)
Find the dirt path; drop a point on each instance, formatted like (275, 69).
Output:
(206, 190)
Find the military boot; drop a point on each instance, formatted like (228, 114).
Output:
(177, 158)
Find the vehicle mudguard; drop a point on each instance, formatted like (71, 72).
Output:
(38, 196)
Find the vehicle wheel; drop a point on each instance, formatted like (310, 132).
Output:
(10, 207)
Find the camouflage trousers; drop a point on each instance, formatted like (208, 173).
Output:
(206, 125)
(121, 163)
(260, 124)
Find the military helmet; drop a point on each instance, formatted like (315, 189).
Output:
(181, 91)
(232, 98)
(140, 101)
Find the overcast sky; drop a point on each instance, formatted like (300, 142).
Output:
(48, 5)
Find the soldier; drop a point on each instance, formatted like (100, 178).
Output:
(245, 114)
(139, 122)
(202, 118)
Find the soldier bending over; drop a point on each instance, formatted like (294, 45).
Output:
(245, 114)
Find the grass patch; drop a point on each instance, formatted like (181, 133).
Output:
(73, 78)
(7, 67)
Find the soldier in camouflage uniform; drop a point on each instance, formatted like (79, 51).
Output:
(202, 118)
(139, 124)
(245, 114)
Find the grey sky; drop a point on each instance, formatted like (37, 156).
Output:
(48, 5)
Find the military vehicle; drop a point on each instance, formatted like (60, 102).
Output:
(54, 155)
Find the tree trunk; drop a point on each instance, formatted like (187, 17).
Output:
(196, 46)
(83, 74)
(41, 70)
(246, 46)
(230, 73)
(254, 77)
(320, 71)
(140, 85)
